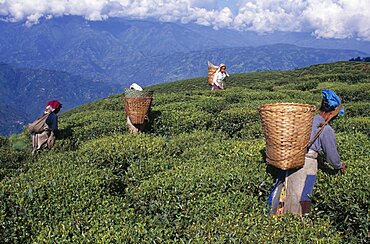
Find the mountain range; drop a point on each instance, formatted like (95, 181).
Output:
(124, 51)
(76, 61)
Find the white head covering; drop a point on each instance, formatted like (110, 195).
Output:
(219, 68)
(136, 87)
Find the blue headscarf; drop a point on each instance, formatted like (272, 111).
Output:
(332, 99)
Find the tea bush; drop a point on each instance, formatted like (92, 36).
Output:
(353, 125)
(172, 122)
(250, 228)
(87, 125)
(198, 175)
(193, 198)
(120, 151)
(58, 200)
(345, 199)
(349, 93)
(360, 109)
(13, 153)
(239, 122)
(302, 86)
(163, 99)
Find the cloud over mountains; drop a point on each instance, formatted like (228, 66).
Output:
(324, 18)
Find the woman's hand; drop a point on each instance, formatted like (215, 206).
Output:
(343, 168)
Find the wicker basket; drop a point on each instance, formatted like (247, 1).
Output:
(287, 128)
(137, 108)
(211, 72)
(137, 105)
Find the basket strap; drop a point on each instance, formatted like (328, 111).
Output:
(335, 113)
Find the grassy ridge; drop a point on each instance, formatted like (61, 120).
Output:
(198, 175)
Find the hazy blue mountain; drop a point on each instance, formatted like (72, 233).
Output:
(11, 119)
(178, 66)
(232, 38)
(24, 93)
(124, 51)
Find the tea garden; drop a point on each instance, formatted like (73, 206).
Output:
(198, 175)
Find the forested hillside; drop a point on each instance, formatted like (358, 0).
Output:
(24, 92)
(198, 175)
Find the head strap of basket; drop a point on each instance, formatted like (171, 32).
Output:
(137, 105)
(287, 128)
(211, 71)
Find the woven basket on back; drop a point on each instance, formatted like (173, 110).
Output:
(287, 128)
(137, 105)
(137, 108)
(211, 72)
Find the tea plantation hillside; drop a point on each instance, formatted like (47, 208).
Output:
(198, 175)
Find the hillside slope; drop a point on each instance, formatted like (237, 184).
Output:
(24, 93)
(198, 175)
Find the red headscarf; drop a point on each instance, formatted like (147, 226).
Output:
(52, 105)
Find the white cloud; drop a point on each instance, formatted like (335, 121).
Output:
(325, 18)
(340, 19)
(267, 16)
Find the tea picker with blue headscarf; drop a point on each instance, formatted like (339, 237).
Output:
(291, 193)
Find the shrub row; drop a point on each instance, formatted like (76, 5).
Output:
(345, 198)
(353, 125)
(198, 176)
(349, 93)
(211, 192)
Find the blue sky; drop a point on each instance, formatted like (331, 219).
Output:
(232, 4)
(323, 18)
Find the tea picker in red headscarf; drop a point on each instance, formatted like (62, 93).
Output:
(43, 136)
(292, 191)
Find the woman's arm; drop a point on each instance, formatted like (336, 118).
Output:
(329, 146)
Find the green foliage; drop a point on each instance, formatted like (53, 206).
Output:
(87, 125)
(349, 93)
(360, 109)
(198, 175)
(353, 125)
(240, 122)
(302, 86)
(14, 153)
(345, 198)
(176, 121)
(58, 199)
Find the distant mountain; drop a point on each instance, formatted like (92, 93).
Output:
(98, 50)
(239, 60)
(77, 61)
(24, 93)
(232, 38)
(125, 51)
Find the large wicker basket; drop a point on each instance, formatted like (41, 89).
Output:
(211, 72)
(137, 108)
(137, 105)
(287, 128)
